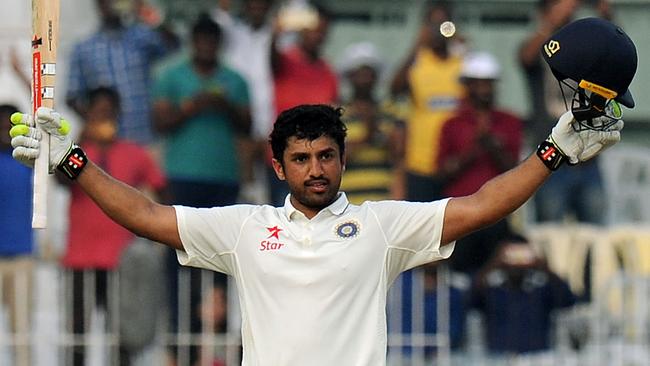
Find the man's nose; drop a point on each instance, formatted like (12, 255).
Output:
(316, 167)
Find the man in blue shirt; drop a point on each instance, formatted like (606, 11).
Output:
(518, 294)
(118, 56)
(16, 241)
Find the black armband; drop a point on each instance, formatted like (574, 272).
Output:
(550, 155)
(73, 163)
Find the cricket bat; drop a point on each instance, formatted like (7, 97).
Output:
(45, 29)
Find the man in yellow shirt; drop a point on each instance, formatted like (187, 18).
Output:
(430, 77)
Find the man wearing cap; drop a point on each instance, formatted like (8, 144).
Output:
(301, 75)
(478, 143)
(375, 137)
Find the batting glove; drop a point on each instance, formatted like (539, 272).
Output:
(575, 145)
(26, 140)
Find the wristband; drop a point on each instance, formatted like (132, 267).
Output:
(550, 155)
(73, 163)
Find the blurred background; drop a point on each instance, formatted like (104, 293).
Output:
(564, 280)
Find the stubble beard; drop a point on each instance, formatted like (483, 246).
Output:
(316, 201)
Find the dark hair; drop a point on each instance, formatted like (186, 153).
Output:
(103, 92)
(206, 26)
(545, 5)
(8, 109)
(307, 121)
(434, 5)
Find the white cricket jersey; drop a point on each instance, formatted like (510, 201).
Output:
(313, 292)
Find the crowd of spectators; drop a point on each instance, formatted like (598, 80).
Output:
(210, 106)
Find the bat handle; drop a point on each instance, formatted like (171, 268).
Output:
(41, 172)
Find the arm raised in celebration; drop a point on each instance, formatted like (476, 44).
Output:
(122, 203)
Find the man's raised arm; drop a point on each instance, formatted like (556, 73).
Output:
(122, 203)
(505, 193)
(495, 200)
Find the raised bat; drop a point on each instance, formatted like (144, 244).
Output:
(45, 29)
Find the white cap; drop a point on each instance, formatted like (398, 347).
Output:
(360, 54)
(480, 65)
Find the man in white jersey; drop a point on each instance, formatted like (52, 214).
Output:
(313, 275)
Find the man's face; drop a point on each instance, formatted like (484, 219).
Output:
(436, 18)
(481, 92)
(110, 10)
(256, 11)
(313, 172)
(314, 38)
(101, 120)
(363, 78)
(206, 48)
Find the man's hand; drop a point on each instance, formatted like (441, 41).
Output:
(580, 146)
(25, 137)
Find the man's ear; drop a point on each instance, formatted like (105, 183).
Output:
(279, 170)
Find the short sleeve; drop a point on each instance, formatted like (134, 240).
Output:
(413, 231)
(210, 235)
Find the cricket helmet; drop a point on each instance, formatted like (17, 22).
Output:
(601, 60)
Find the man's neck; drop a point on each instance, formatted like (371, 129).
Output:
(204, 68)
(112, 25)
(311, 55)
(364, 96)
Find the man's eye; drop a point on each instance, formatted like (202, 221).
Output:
(300, 159)
(326, 156)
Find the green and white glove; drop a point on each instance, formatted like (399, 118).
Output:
(575, 145)
(26, 140)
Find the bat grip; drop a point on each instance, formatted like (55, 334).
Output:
(41, 171)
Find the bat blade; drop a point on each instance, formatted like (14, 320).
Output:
(45, 30)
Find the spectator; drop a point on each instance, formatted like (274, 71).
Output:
(213, 309)
(16, 242)
(300, 74)
(455, 289)
(201, 107)
(429, 75)
(578, 192)
(247, 44)
(118, 56)
(375, 137)
(517, 293)
(479, 142)
(95, 243)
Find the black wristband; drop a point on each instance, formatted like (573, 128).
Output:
(73, 163)
(550, 155)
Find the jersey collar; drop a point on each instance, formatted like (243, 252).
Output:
(336, 208)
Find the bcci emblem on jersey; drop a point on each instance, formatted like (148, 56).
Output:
(348, 229)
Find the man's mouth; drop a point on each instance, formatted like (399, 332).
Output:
(317, 185)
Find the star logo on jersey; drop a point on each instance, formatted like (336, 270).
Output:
(275, 232)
